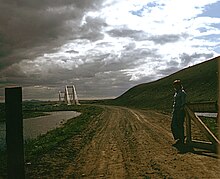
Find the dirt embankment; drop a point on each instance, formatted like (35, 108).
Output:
(127, 144)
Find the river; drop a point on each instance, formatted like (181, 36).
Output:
(33, 127)
(206, 114)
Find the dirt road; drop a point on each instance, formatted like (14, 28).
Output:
(129, 144)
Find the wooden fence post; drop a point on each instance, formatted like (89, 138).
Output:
(218, 117)
(188, 128)
(14, 133)
(214, 142)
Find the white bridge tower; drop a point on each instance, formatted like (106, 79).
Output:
(69, 95)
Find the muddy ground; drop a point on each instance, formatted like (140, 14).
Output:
(126, 143)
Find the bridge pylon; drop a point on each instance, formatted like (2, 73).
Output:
(69, 95)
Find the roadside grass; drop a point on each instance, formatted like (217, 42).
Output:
(53, 139)
(211, 123)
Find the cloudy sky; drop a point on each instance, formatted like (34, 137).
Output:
(103, 47)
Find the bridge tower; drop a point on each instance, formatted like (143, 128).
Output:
(69, 95)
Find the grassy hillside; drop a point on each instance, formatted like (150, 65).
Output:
(200, 83)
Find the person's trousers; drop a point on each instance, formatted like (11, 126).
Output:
(177, 125)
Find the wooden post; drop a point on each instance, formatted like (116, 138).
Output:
(199, 144)
(218, 117)
(202, 127)
(203, 145)
(14, 133)
(188, 128)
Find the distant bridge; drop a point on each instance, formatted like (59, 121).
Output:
(69, 95)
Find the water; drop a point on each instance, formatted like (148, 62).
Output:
(34, 127)
(207, 114)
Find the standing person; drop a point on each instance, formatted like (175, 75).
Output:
(178, 115)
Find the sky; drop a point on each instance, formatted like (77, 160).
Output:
(103, 47)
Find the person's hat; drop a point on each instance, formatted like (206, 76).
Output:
(176, 82)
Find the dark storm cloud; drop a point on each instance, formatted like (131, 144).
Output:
(139, 35)
(173, 65)
(186, 58)
(92, 29)
(113, 73)
(27, 24)
(96, 71)
(163, 39)
(116, 81)
(169, 70)
(123, 32)
(126, 32)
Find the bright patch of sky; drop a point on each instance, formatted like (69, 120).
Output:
(211, 10)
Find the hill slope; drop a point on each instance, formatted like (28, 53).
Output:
(200, 83)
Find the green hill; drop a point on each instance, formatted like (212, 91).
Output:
(200, 83)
